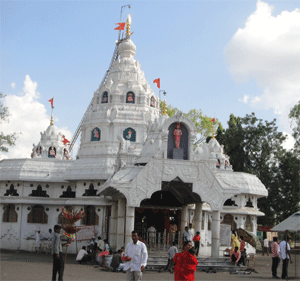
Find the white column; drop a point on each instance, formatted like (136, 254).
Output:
(113, 225)
(129, 224)
(121, 223)
(184, 218)
(215, 233)
(198, 217)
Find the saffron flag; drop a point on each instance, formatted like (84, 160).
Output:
(121, 26)
(212, 120)
(65, 141)
(51, 101)
(157, 81)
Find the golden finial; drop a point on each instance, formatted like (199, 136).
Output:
(213, 133)
(128, 23)
(165, 108)
(51, 120)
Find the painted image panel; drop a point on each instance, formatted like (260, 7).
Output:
(129, 134)
(130, 97)
(152, 102)
(38, 151)
(96, 134)
(52, 152)
(104, 98)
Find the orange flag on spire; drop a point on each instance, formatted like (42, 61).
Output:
(157, 81)
(51, 101)
(65, 141)
(212, 120)
(121, 26)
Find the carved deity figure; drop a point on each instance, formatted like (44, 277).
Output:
(177, 134)
(52, 152)
(128, 137)
(66, 154)
(130, 98)
(38, 151)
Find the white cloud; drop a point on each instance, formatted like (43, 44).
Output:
(13, 85)
(289, 142)
(27, 116)
(267, 50)
(245, 99)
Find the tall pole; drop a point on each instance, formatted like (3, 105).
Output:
(122, 8)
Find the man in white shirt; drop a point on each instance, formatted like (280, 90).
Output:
(191, 233)
(136, 256)
(285, 256)
(82, 255)
(266, 247)
(100, 243)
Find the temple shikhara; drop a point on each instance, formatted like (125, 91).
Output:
(136, 167)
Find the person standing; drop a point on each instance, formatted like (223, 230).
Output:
(243, 251)
(151, 235)
(191, 232)
(58, 260)
(136, 256)
(177, 261)
(285, 256)
(275, 257)
(38, 240)
(171, 253)
(186, 235)
(196, 240)
(188, 263)
(266, 247)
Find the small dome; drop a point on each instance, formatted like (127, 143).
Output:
(127, 48)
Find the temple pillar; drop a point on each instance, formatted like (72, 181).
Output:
(129, 224)
(215, 233)
(198, 217)
(113, 225)
(184, 218)
(121, 223)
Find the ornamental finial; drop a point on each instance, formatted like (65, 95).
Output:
(128, 23)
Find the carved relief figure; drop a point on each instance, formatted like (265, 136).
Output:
(96, 134)
(128, 137)
(177, 134)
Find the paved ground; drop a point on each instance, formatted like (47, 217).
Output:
(30, 266)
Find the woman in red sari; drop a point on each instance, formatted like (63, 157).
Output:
(177, 261)
(188, 264)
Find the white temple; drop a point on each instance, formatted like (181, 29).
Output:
(135, 168)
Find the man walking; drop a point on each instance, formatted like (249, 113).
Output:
(136, 256)
(285, 256)
(266, 247)
(275, 257)
(58, 260)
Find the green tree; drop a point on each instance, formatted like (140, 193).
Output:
(203, 124)
(5, 140)
(255, 147)
(295, 124)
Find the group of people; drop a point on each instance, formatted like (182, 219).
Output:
(96, 251)
(279, 251)
(189, 235)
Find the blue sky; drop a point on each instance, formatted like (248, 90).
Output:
(219, 56)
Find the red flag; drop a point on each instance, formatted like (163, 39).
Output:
(212, 120)
(121, 26)
(65, 141)
(51, 101)
(157, 81)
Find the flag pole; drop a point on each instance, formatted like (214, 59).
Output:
(123, 7)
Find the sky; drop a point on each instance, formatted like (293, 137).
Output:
(223, 57)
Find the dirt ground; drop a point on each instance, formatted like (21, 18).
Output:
(19, 265)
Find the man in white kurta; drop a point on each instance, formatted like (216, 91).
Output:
(136, 256)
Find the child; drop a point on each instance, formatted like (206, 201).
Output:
(171, 253)
(196, 240)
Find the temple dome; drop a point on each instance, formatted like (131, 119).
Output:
(127, 48)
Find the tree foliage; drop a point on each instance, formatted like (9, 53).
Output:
(203, 123)
(255, 147)
(295, 124)
(5, 140)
